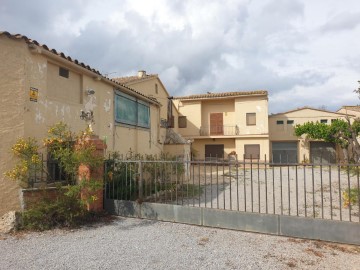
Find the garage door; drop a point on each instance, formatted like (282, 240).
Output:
(284, 152)
(213, 151)
(322, 152)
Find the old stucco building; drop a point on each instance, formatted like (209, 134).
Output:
(40, 87)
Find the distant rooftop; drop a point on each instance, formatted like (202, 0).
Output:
(140, 77)
(224, 94)
(309, 108)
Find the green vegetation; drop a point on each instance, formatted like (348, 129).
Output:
(70, 150)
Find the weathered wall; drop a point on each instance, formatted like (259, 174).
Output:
(12, 81)
(59, 99)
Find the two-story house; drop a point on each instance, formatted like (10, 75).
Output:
(222, 123)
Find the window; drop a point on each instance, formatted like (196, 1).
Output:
(290, 122)
(252, 151)
(171, 122)
(251, 119)
(131, 111)
(324, 121)
(182, 122)
(333, 120)
(156, 89)
(279, 122)
(63, 72)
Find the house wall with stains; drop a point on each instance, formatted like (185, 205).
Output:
(27, 70)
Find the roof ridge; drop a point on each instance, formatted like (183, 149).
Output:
(224, 94)
(68, 58)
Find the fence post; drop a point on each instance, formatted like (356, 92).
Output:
(86, 173)
(141, 181)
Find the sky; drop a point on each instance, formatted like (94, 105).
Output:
(303, 52)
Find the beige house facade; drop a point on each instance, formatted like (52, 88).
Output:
(40, 87)
(285, 147)
(219, 124)
(350, 110)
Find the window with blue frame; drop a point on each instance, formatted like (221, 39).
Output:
(131, 111)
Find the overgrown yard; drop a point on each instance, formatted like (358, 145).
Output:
(143, 244)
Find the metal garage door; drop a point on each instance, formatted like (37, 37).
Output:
(213, 151)
(284, 152)
(322, 152)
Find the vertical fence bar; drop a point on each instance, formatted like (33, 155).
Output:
(339, 183)
(141, 183)
(182, 186)
(297, 190)
(252, 186)
(237, 185)
(358, 189)
(349, 190)
(304, 167)
(288, 171)
(313, 187)
(330, 190)
(244, 164)
(211, 183)
(229, 167)
(192, 167)
(199, 184)
(187, 181)
(322, 190)
(205, 182)
(176, 179)
(281, 192)
(273, 184)
(155, 183)
(258, 179)
(266, 187)
(223, 178)
(217, 184)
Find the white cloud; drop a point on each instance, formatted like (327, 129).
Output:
(299, 50)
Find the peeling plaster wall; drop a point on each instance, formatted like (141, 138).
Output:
(12, 83)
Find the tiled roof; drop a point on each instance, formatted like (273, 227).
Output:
(75, 61)
(352, 108)
(309, 108)
(130, 79)
(224, 94)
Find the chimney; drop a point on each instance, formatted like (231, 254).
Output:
(141, 73)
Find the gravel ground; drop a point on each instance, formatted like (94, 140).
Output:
(143, 244)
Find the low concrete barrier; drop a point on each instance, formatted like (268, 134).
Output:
(309, 228)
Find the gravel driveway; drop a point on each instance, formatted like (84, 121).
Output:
(143, 244)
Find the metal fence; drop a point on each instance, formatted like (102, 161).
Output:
(48, 171)
(328, 191)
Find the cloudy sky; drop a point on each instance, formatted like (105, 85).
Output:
(305, 53)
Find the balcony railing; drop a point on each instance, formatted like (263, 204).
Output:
(219, 131)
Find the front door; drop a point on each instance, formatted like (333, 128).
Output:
(216, 124)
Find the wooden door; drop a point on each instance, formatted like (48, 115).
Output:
(216, 124)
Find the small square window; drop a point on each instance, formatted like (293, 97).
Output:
(290, 122)
(279, 122)
(324, 121)
(252, 151)
(63, 72)
(251, 119)
(182, 122)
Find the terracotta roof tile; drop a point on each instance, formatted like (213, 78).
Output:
(131, 79)
(352, 108)
(224, 94)
(75, 61)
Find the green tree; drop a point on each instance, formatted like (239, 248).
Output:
(341, 132)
